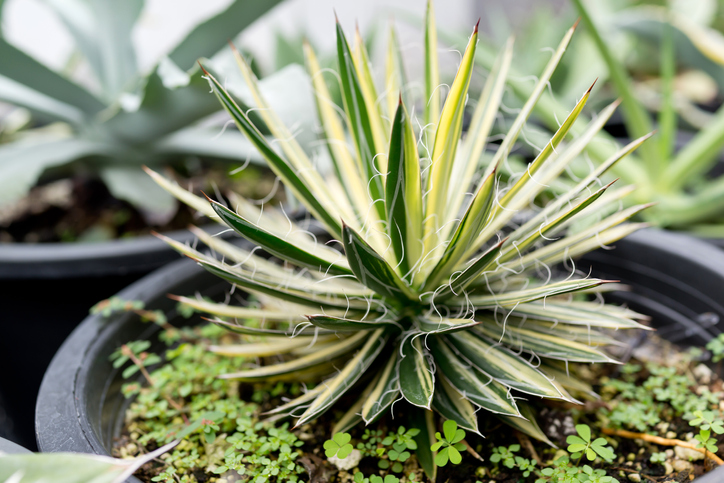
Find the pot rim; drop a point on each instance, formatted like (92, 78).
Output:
(86, 259)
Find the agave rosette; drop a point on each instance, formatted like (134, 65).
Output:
(429, 292)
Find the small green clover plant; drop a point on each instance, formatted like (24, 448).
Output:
(360, 478)
(659, 458)
(707, 423)
(505, 455)
(582, 444)
(450, 442)
(338, 446)
(716, 346)
(562, 471)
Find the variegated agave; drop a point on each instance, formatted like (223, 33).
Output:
(435, 295)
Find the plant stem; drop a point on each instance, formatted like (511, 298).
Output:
(661, 441)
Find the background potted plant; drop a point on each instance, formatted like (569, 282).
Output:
(131, 118)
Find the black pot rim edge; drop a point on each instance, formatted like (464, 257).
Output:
(76, 260)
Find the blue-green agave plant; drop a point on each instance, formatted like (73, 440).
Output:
(432, 290)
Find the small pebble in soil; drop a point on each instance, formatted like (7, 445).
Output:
(703, 373)
(635, 477)
(671, 435)
(681, 465)
(687, 454)
(346, 464)
(668, 468)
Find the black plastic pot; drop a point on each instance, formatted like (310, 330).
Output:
(676, 279)
(45, 291)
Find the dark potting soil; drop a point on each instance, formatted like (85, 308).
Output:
(82, 209)
(556, 419)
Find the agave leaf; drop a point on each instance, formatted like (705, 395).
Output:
(236, 312)
(369, 91)
(290, 146)
(443, 325)
(300, 296)
(395, 79)
(293, 331)
(552, 170)
(502, 365)
(543, 345)
(528, 425)
(588, 315)
(321, 356)
(542, 231)
(213, 34)
(460, 282)
(578, 333)
(467, 231)
(299, 401)
(358, 118)
(26, 71)
(488, 394)
(102, 32)
(479, 130)
(324, 260)
(562, 377)
(353, 415)
(432, 72)
(403, 193)
(424, 421)
(196, 202)
(540, 86)
(574, 248)
(415, 373)
(549, 149)
(348, 168)
(383, 391)
(276, 345)
(451, 404)
(348, 376)
(343, 324)
(445, 145)
(515, 297)
(371, 269)
(237, 254)
(278, 164)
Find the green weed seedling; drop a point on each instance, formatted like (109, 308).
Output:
(360, 478)
(582, 444)
(338, 446)
(450, 443)
(505, 455)
(658, 457)
(716, 346)
(707, 423)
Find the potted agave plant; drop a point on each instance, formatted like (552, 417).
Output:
(430, 294)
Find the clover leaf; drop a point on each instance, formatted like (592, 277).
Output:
(449, 444)
(581, 444)
(338, 446)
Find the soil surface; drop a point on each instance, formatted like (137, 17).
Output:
(82, 209)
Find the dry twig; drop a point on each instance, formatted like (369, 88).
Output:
(661, 441)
